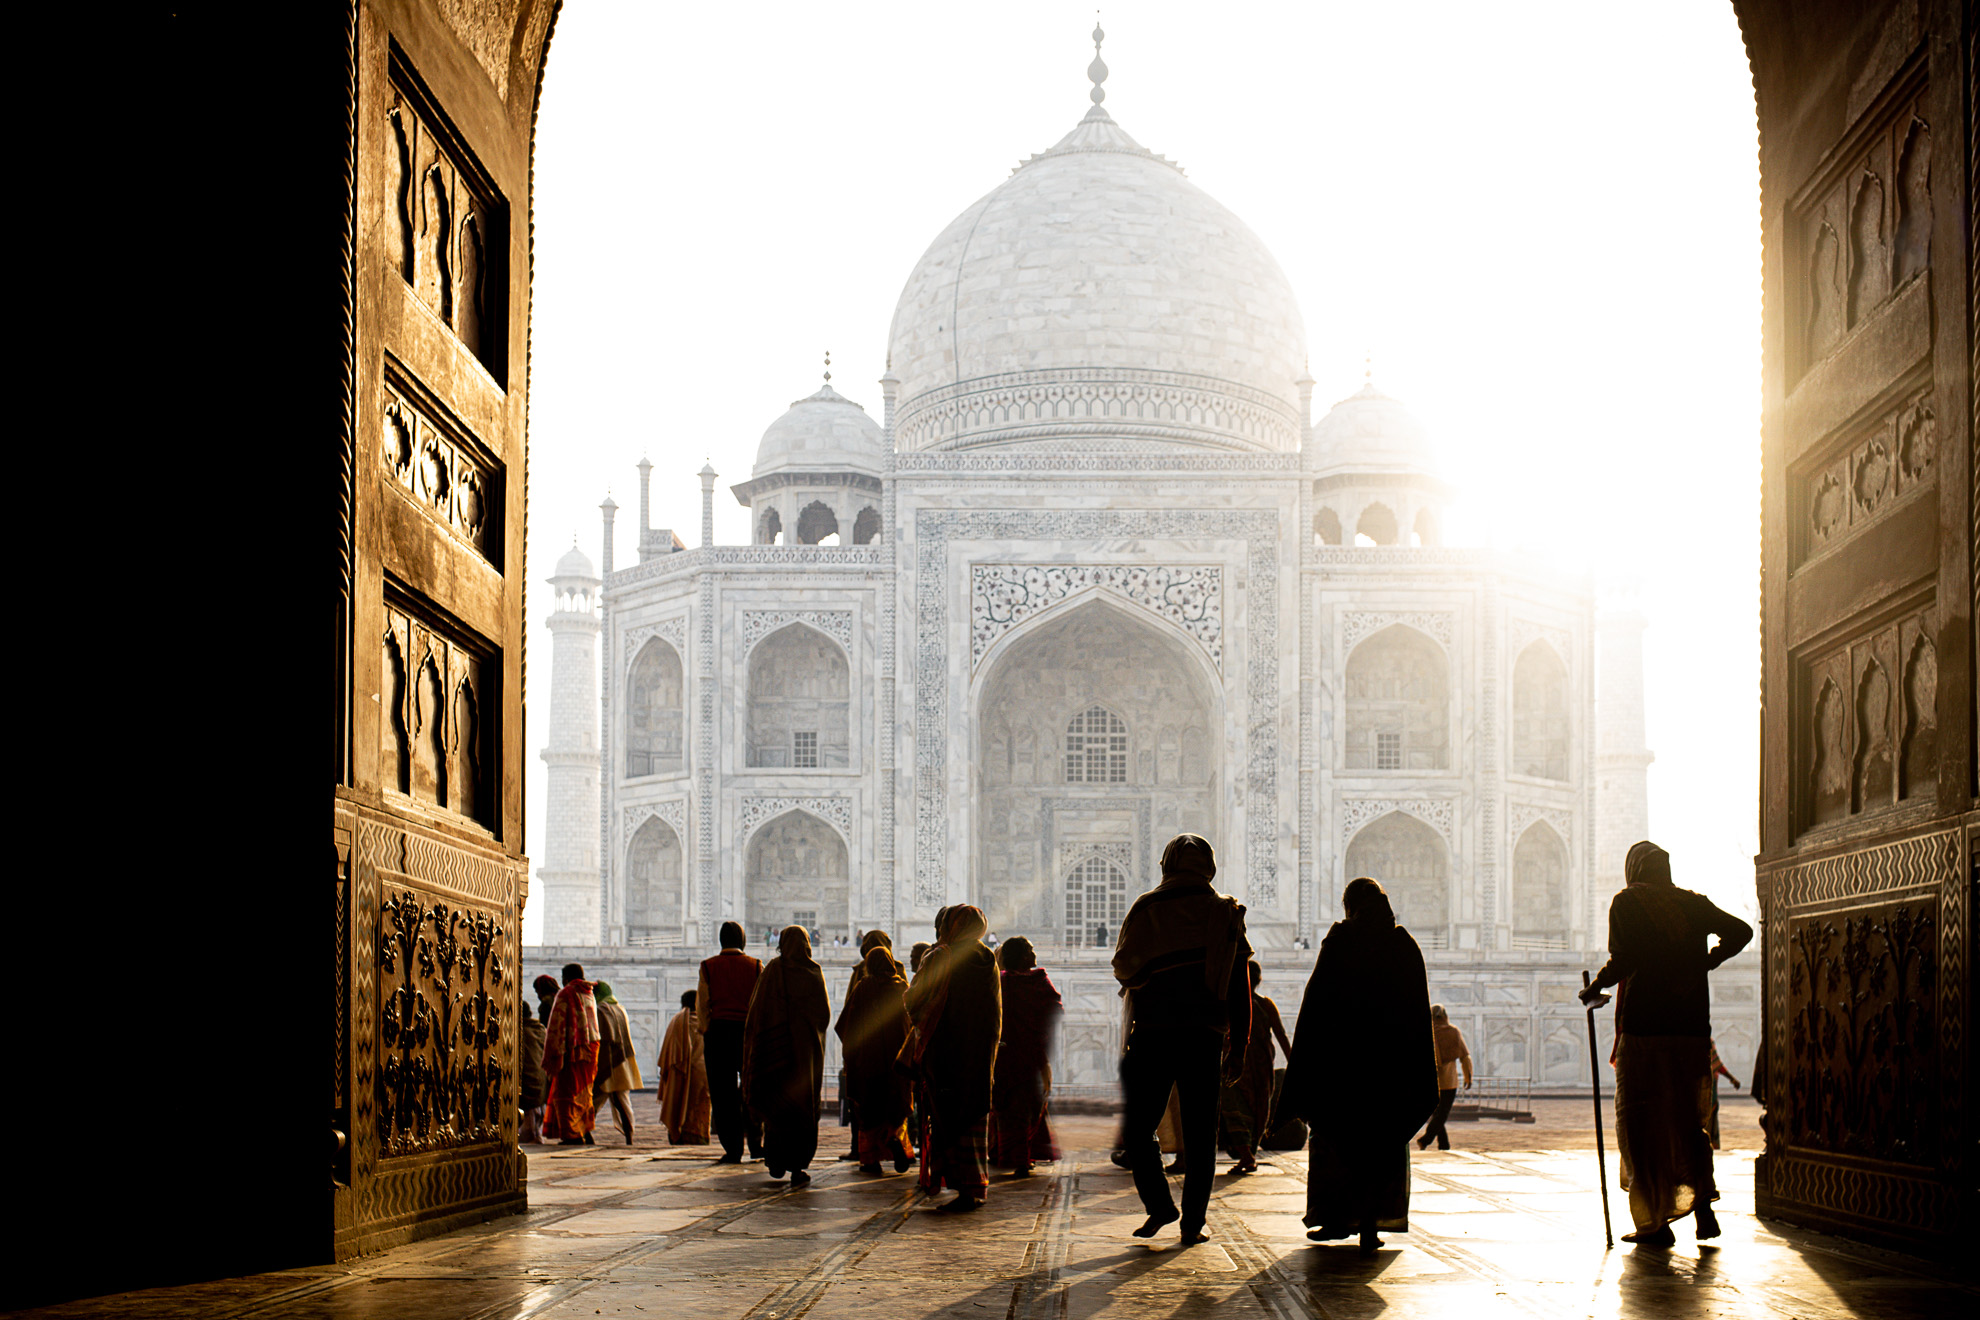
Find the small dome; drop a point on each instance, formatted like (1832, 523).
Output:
(821, 432)
(574, 564)
(1370, 432)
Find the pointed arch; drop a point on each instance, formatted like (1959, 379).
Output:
(1378, 523)
(816, 522)
(1920, 759)
(800, 697)
(1540, 713)
(467, 781)
(1828, 774)
(1542, 906)
(1873, 783)
(1412, 863)
(1397, 686)
(429, 768)
(796, 871)
(866, 527)
(656, 711)
(395, 741)
(655, 900)
(1326, 526)
(769, 528)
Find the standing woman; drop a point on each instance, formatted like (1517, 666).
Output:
(784, 1055)
(873, 1026)
(1022, 1088)
(1363, 1070)
(958, 1017)
(618, 1061)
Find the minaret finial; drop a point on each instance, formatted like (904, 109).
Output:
(1368, 369)
(828, 366)
(1097, 70)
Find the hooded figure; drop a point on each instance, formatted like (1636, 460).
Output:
(872, 1027)
(570, 1061)
(685, 1106)
(618, 1061)
(1363, 1071)
(784, 1054)
(1181, 963)
(1659, 957)
(1022, 1087)
(958, 1018)
(849, 1103)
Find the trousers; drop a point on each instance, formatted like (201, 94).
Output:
(1434, 1130)
(722, 1048)
(1161, 1057)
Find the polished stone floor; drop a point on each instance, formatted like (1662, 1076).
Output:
(647, 1230)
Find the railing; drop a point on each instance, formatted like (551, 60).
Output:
(1509, 1098)
(1539, 943)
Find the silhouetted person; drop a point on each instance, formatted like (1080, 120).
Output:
(1363, 1071)
(1021, 1086)
(957, 1013)
(1247, 1102)
(872, 1027)
(848, 1102)
(570, 1061)
(546, 995)
(530, 1071)
(1181, 958)
(1451, 1050)
(682, 1080)
(721, 1002)
(618, 1065)
(1719, 1070)
(784, 1055)
(1658, 955)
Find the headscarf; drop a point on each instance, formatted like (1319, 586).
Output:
(1364, 899)
(874, 939)
(603, 992)
(546, 986)
(1016, 954)
(962, 923)
(1189, 860)
(1647, 873)
(795, 944)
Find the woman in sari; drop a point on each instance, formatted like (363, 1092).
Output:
(570, 1060)
(784, 1055)
(1022, 1085)
(872, 1027)
(685, 1104)
(1363, 1070)
(958, 1015)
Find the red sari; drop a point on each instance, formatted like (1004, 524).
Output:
(570, 1061)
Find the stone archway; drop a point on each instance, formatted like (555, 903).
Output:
(796, 870)
(1096, 727)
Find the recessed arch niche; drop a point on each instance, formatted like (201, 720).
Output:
(1398, 688)
(1540, 714)
(796, 872)
(654, 901)
(800, 697)
(1412, 863)
(1542, 905)
(1037, 692)
(656, 712)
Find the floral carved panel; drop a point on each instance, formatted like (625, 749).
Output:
(1002, 596)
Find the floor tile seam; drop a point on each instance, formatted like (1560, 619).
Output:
(1045, 1270)
(1290, 1299)
(795, 1299)
(1451, 1253)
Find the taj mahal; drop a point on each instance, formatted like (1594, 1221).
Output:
(1093, 575)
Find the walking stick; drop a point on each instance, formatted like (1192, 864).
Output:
(1595, 1083)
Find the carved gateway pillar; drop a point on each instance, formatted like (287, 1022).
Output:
(429, 812)
(1865, 877)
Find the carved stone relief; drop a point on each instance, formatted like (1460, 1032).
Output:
(431, 457)
(1914, 227)
(440, 1082)
(758, 624)
(1521, 815)
(1438, 813)
(674, 630)
(437, 733)
(673, 811)
(1868, 738)
(1003, 596)
(836, 811)
(1357, 624)
(1874, 470)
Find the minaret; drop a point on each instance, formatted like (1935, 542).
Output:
(1622, 762)
(570, 847)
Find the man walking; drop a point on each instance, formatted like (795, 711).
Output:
(1658, 956)
(1182, 960)
(721, 1004)
(1451, 1050)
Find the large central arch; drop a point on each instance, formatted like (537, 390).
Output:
(1096, 731)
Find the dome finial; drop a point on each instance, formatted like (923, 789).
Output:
(1368, 369)
(828, 366)
(1097, 70)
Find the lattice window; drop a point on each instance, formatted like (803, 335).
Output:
(807, 918)
(804, 749)
(1096, 891)
(1388, 751)
(1096, 748)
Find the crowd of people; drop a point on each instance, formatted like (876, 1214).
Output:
(947, 1058)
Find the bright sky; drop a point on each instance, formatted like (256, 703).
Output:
(1541, 218)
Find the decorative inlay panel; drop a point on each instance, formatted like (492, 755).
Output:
(1004, 595)
(673, 811)
(673, 631)
(430, 456)
(836, 811)
(1521, 815)
(758, 624)
(1357, 624)
(934, 528)
(1438, 813)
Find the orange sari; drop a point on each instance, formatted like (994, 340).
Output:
(570, 1061)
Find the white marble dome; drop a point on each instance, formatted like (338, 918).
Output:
(574, 563)
(822, 432)
(1370, 432)
(1097, 298)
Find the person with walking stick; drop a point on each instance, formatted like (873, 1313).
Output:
(1658, 956)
